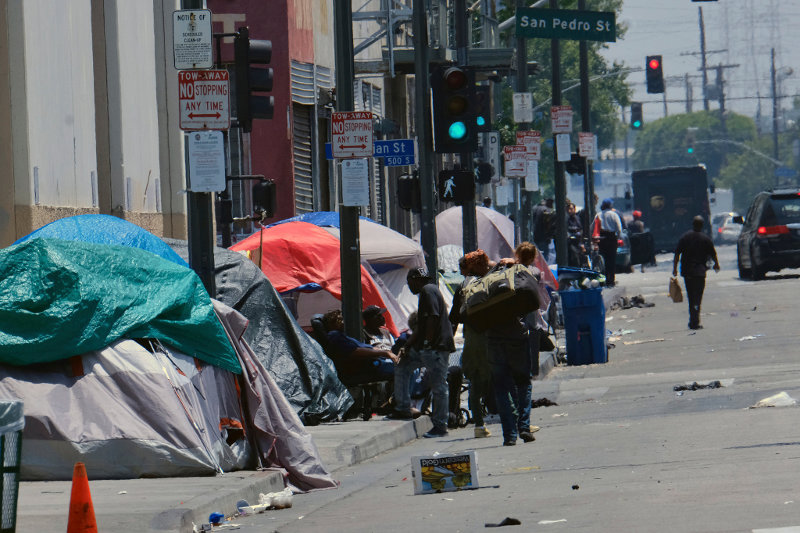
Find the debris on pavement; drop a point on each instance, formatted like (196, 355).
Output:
(624, 302)
(542, 402)
(507, 521)
(643, 341)
(750, 337)
(575, 487)
(697, 386)
(782, 399)
(546, 522)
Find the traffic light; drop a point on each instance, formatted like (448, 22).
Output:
(575, 165)
(408, 193)
(636, 115)
(264, 199)
(484, 172)
(483, 101)
(454, 126)
(690, 143)
(456, 186)
(655, 74)
(249, 79)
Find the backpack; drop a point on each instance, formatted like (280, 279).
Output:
(500, 296)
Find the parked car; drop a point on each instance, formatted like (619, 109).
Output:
(729, 231)
(770, 236)
(624, 253)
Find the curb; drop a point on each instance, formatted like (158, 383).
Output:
(197, 510)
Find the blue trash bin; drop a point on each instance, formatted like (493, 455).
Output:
(585, 326)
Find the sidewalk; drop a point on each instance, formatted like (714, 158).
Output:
(174, 504)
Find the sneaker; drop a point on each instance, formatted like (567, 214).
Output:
(527, 436)
(435, 432)
(510, 443)
(481, 432)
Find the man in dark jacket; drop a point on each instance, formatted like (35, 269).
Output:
(429, 345)
(693, 251)
(543, 226)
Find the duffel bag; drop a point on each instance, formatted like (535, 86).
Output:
(500, 296)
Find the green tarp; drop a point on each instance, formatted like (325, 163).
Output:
(64, 298)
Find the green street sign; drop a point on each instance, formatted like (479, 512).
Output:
(566, 24)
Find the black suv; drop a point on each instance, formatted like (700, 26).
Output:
(770, 238)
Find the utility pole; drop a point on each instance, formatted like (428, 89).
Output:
(469, 223)
(774, 109)
(560, 183)
(703, 55)
(588, 176)
(349, 248)
(721, 89)
(688, 94)
(523, 220)
(422, 124)
(199, 206)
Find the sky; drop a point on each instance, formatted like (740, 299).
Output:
(745, 29)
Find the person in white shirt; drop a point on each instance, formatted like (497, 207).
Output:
(609, 227)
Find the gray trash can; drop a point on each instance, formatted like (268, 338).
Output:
(12, 421)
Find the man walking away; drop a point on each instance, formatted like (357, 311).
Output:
(429, 345)
(693, 251)
(610, 229)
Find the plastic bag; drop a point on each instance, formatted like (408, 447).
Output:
(675, 293)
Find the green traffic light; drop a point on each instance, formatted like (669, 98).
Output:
(457, 130)
(480, 121)
(637, 124)
(690, 150)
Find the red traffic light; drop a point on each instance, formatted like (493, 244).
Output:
(455, 78)
(654, 64)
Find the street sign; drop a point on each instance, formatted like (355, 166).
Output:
(785, 173)
(191, 32)
(515, 157)
(561, 119)
(563, 150)
(586, 144)
(523, 107)
(396, 152)
(532, 174)
(204, 100)
(206, 161)
(351, 134)
(532, 141)
(355, 182)
(566, 24)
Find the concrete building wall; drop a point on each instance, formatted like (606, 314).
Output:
(52, 109)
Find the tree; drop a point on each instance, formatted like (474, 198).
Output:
(665, 142)
(607, 91)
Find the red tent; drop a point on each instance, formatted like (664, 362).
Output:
(298, 256)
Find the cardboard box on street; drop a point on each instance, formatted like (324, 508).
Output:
(444, 472)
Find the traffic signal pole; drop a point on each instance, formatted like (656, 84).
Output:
(560, 182)
(200, 214)
(469, 222)
(423, 126)
(586, 125)
(350, 252)
(524, 222)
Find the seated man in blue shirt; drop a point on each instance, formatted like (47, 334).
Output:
(355, 361)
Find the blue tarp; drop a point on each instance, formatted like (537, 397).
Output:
(328, 219)
(105, 229)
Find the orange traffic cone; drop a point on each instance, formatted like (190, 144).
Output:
(81, 510)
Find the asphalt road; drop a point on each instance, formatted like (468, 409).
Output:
(622, 450)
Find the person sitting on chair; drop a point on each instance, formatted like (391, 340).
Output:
(355, 361)
(375, 332)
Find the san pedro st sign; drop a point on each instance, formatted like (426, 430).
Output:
(566, 24)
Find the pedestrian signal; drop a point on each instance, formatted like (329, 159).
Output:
(456, 186)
